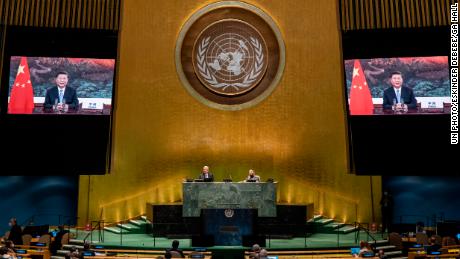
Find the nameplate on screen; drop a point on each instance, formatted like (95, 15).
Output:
(93, 105)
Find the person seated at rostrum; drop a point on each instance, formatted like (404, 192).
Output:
(252, 177)
(206, 175)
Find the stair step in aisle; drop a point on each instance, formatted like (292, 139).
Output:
(324, 221)
(315, 218)
(139, 225)
(129, 227)
(137, 222)
(348, 229)
(334, 225)
(115, 230)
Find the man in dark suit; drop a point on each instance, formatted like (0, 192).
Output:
(252, 177)
(57, 243)
(386, 204)
(61, 94)
(15, 232)
(206, 175)
(400, 95)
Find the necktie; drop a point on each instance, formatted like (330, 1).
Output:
(61, 94)
(398, 96)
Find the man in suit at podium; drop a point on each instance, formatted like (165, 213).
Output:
(205, 175)
(61, 95)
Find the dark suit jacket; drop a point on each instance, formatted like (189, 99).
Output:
(210, 177)
(70, 96)
(407, 95)
(16, 235)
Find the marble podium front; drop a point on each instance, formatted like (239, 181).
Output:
(223, 195)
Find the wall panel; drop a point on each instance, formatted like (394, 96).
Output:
(394, 13)
(162, 134)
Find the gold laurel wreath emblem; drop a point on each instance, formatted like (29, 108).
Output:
(209, 77)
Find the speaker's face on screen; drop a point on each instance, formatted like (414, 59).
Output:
(396, 81)
(62, 80)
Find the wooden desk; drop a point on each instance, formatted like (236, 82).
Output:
(409, 239)
(37, 239)
(444, 256)
(415, 255)
(134, 256)
(45, 254)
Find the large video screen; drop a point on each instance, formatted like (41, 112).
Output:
(400, 85)
(60, 85)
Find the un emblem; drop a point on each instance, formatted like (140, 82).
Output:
(230, 55)
(229, 213)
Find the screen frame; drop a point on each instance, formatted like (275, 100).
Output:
(7, 70)
(57, 42)
(387, 43)
(347, 97)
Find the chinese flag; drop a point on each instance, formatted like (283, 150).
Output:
(360, 96)
(22, 93)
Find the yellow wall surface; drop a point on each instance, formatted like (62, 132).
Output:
(163, 135)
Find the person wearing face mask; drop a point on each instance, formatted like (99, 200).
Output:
(15, 232)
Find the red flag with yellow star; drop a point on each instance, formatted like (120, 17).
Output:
(360, 95)
(22, 93)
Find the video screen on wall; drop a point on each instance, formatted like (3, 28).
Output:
(60, 85)
(399, 85)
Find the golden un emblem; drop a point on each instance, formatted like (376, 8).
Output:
(230, 55)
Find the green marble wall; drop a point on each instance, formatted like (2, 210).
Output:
(219, 195)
